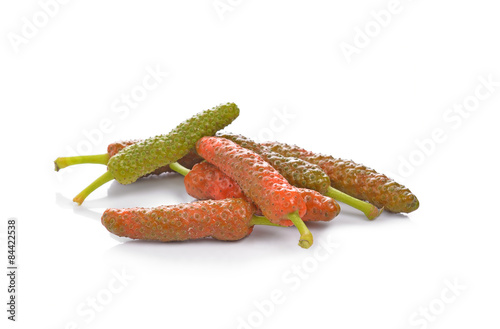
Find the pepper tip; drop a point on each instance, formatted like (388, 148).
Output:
(374, 213)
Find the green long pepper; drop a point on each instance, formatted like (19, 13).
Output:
(303, 174)
(144, 157)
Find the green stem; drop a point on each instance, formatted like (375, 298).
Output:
(175, 166)
(306, 238)
(370, 211)
(106, 177)
(64, 162)
(260, 220)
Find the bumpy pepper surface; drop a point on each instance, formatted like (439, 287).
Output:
(270, 191)
(205, 181)
(144, 157)
(297, 172)
(228, 219)
(356, 180)
(319, 207)
(188, 161)
(303, 174)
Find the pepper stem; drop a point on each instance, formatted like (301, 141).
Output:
(177, 167)
(106, 177)
(64, 162)
(370, 211)
(306, 238)
(260, 220)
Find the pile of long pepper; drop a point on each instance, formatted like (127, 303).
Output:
(237, 182)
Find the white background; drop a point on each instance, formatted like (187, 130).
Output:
(61, 83)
